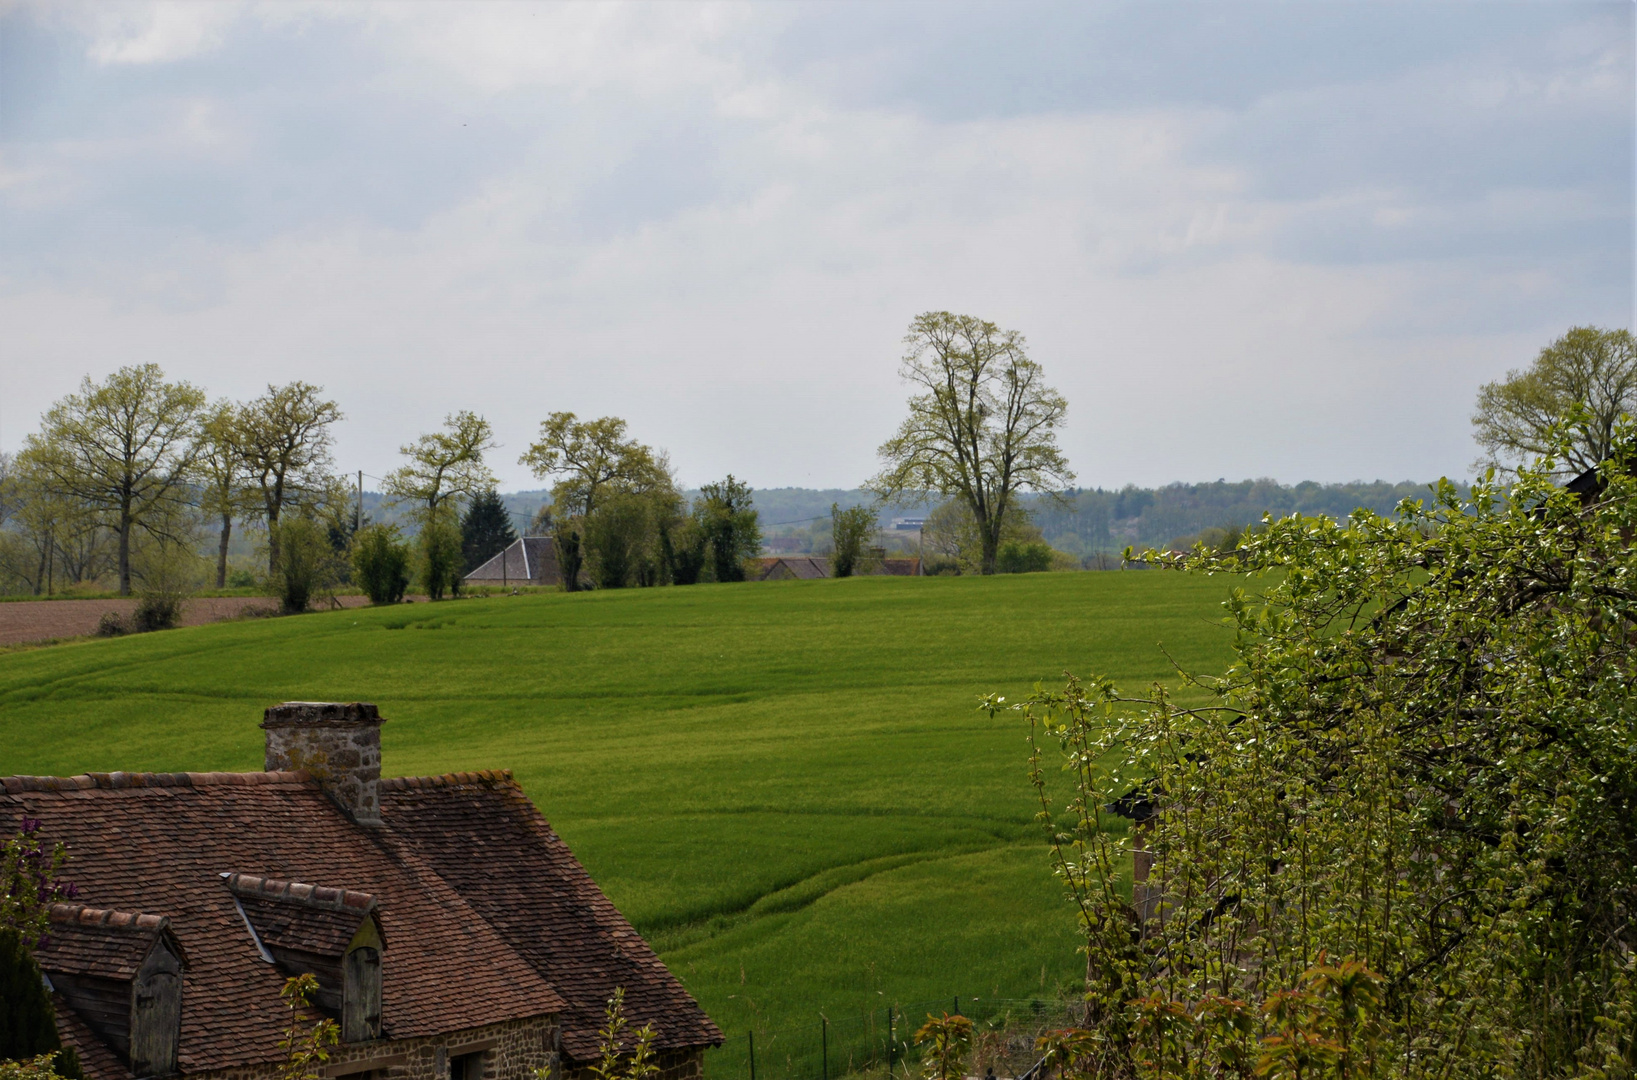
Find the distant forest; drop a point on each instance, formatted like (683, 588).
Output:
(1096, 519)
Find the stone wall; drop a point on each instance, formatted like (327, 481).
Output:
(338, 744)
(510, 1050)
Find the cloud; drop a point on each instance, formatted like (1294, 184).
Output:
(1243, 245)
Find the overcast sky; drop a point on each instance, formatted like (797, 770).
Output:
(1284, 240)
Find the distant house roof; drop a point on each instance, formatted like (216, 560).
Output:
(808, 567)
(531, 560)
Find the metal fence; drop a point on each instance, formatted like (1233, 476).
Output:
(883, 1041)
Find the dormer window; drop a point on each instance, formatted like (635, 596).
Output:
(334, 934)
(121, 972)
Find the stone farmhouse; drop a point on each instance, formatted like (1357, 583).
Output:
(452, 933)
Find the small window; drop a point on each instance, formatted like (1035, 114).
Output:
(467, 1067)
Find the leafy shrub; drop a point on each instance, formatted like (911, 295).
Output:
(850, 529)
(1016, 557)
(158, 610)
(306, 564)
(380, 563)
(440, 557)
(112, 624)
(241, 579)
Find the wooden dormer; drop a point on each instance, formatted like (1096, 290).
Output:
(333, 934)
(121, 972)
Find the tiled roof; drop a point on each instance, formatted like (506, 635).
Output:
(529, 560)
(295, 915)
(97, 1060)
(83, 940)
(158, 843)
(590, 950)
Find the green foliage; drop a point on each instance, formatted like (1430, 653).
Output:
(283, 440)
(27, 1025)
(570, 552)
(784, 787)
(1424, 761)
(684, 547)
(951, 537)
(1023, 558)
(308, 1038)
(41, 1067)
(727, 518)
(306, 562)
(124, 450)
(1587, 377)
(30, 882)
(444, 465)
(485, 529)
(983, 429)
(589, 456)
(621, 1056)
(850, 532)
(380, 563)
(438, 556)
(947, 1040)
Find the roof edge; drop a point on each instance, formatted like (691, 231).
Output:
(116, 781)
(83, 915)
(251, 886)
(481, 778)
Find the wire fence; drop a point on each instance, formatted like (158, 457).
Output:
(883, 1041)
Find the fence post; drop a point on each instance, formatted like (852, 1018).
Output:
(751, 1035)
(891, 1048)
(824, 1044)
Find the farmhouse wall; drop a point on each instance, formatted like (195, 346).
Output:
(511, 1051)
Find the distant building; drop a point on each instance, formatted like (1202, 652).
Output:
(529, 561)
(808, 567)
(908, 524)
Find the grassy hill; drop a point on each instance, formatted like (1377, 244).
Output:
(786, 786)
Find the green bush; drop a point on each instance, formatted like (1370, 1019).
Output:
(241, 579)
(380, 563)
(1023, 558)
(306, 563)
(440, 557)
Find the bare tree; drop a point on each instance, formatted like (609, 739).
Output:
(284, 441)
(124, 450)
(1587, 375)
(984, 428)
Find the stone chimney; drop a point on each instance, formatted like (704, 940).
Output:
(338, 743)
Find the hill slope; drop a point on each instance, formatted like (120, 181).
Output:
(785, 785)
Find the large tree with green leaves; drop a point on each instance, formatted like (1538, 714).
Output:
(226, 487)
(982, 427)
(726, 512)
(124, 450)
(589, 457)
(284, 439)
(444, 465)
(1587, 378)
(1400, 833)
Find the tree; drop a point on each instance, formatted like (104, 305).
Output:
(727, 518)
(380, 563)
(1417, 784)
(850, 531)
(307, 562)
(125, 451)
(28, 1025)
(590, 456)
(439, 553)
(485, 530)
(227, 490)
(984, 429)
(284, 441)
(951, 531)
(445, 464)
(1588, 375)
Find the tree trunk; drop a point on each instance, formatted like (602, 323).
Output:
(221, 551)
(272, 541)
(124, 557)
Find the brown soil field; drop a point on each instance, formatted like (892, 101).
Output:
(26, 621)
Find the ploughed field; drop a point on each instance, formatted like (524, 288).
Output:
(786, 786)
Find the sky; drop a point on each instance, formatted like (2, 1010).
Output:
(1243, 240)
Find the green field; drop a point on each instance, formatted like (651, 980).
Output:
(786, 786)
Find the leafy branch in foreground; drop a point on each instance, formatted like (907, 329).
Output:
(305, 1049)
(619, 1061)
(1423, 762)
